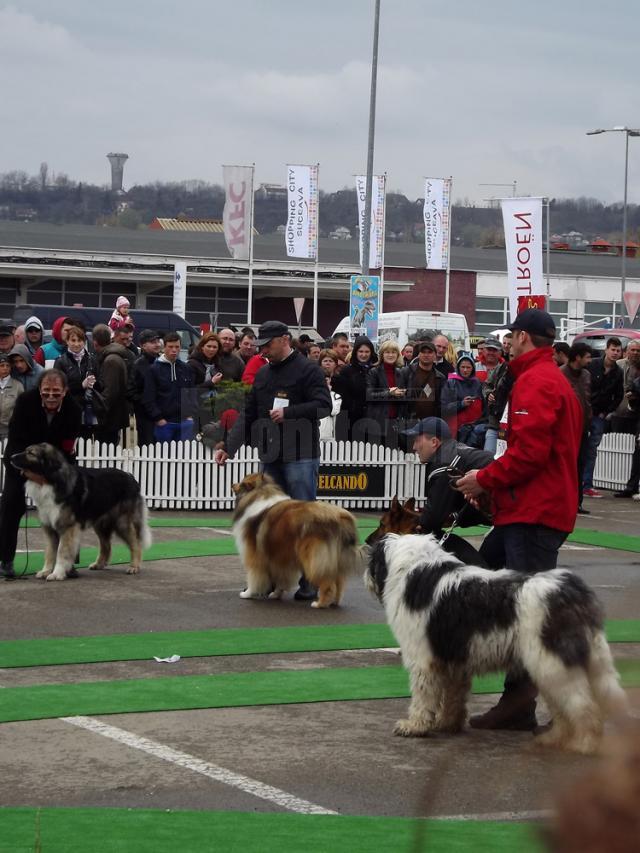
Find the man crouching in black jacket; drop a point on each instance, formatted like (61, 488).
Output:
(281, 418)
(446, 460)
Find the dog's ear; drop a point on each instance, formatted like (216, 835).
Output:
(410, 504)
(396, 507)
(236, 487)
(378, 566)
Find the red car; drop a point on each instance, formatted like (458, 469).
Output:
(597, 338)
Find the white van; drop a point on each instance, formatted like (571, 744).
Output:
(403, 326)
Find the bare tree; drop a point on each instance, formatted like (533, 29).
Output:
(44, 173)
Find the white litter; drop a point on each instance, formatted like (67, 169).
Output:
(172, 659)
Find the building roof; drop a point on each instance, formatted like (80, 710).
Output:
(210, 225)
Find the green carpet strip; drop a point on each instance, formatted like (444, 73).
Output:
(230, 690)
(160, 831)
(56, 651)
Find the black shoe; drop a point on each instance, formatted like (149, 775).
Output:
(515, 711)
(73, 572)
(306, 591)
(625, 493)
(582, 511)
(6, 570)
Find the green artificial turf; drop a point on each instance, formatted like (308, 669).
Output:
(52, 651)
(85, 830)
(229, 690)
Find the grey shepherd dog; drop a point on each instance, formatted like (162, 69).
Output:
(70, 498)
(454, 621)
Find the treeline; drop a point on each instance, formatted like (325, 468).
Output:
(59, 199)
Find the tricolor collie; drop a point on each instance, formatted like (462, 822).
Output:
(279, 538)
(454, 621)
(69, 498)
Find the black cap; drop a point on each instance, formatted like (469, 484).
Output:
(492, 343)
(6, 330)
(427, 345)
(305, 339)
(536, 322)
(4, 357)
(430, 426)
(271, 329)
(148, 335)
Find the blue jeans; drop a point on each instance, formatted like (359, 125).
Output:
(523, 547)
(596, 431)
(174, 432)
(298, 479)
(491, 440)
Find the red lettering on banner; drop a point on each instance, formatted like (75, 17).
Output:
(521, 217)
(524, 272)
(237, 196)
(524, 238)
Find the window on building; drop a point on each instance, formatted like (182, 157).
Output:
(594, 312)
(491, 313)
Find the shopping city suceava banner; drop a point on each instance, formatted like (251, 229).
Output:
(238, 208)
(377, 217)
(301, 232)
(436, 213)
(522, 218)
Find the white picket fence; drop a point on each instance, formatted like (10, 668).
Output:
(183, 475)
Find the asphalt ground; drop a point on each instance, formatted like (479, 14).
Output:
(334, 756)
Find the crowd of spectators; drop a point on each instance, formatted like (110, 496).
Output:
(376, 393)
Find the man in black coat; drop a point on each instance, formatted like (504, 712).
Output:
(445, 458)
(45, 414)
(150, 345)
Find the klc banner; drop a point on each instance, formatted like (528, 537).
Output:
(522, 218)
(238, 210)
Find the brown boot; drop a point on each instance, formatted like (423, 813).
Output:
(516, 711)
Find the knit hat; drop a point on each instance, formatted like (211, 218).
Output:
(122, 300)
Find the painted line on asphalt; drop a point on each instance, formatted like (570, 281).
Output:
(196, 765)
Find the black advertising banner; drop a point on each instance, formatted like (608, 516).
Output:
(337, 481)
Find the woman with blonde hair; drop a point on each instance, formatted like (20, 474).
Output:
(386, 393)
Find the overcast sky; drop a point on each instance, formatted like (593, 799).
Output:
(486, 92)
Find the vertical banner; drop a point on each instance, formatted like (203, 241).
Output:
(364, 303)
(437, 209)
(238, 210)
(522, 219)
(301, 233)
(377, 217)
(179, 288)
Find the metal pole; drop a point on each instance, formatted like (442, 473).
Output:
(548, 253)
(624, 217)
(366, 225)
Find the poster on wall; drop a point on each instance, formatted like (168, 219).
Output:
(363, 307)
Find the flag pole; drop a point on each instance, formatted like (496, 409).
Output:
(447, 279)
(315, 265)
(250, 289)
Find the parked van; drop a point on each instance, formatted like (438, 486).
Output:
(404, 326)
(160, 321)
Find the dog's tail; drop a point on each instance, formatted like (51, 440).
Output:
(604, 679)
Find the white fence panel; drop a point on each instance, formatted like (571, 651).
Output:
(183, 475)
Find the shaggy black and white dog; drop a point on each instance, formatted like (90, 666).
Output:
(69, 498)
(454, 621)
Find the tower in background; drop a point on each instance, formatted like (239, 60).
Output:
(117, 168)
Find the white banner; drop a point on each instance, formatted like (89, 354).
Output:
(179, 288)
(437, 205)
(377, 217)
(301, 234)
(522, 219)
(238, 210)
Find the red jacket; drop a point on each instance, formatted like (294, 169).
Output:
(536, 481)
(253, 366)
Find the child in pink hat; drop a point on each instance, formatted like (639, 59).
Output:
(121, 313)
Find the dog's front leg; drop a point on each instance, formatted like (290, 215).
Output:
(426, 694)
(67, 550)
(452, 713)
(50, 551)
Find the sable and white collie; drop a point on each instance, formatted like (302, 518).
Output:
(454, 621)
(279, 538)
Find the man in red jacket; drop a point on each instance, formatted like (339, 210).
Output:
(532, 486)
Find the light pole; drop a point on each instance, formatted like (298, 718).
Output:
(628, 131)
(366, 225)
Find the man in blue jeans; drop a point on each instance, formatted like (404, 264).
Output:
(169, 396)
(281, 418)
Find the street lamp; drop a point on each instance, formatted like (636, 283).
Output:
(628, 131)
